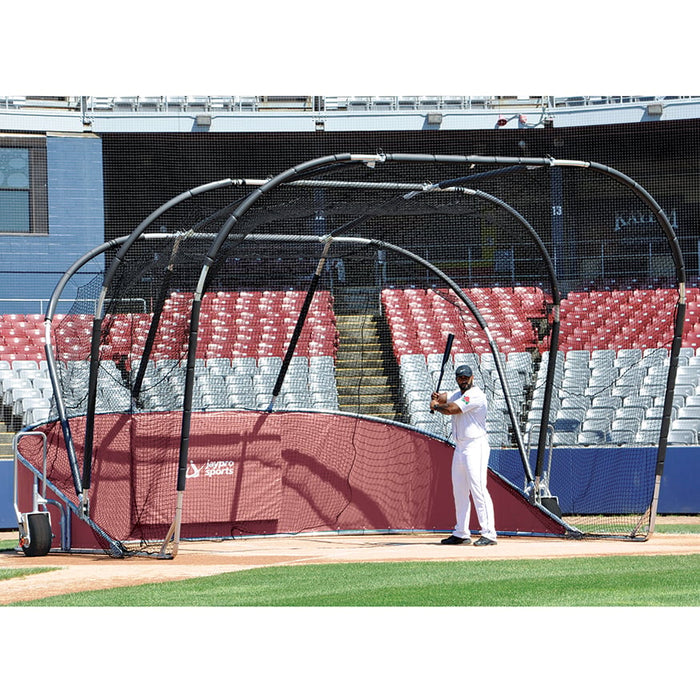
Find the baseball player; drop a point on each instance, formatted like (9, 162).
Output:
(467, 407)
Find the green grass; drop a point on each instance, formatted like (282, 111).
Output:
(598, 581)
(18, 573)
(678, 529)
(564, 582)
(6, 546)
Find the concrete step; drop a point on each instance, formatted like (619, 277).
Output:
(363, 397)
(359, 365)
(6, 451)
(361, 334)
(354, 369)
(375, 382)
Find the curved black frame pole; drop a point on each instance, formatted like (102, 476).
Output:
(674, 245)
(662, 219)
(221, 236)
(554, 342)
(53, 370)
(414, 190)
(51, 359)
(452, 185)
(128, 241)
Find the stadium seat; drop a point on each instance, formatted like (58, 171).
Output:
(629, 411)
(18, 365)
(686, 421)
(601, 413)
(591, 437)
(688, 375)
(613, 402)
(564, 438)
(604, 373)
(567, 423)
(657, 412)
(655, 357)
(29, 405)
(631, 424)
(579, 358)
(680, 436)
(621, 437)
(647, 437)
(37, 415)
(683, 390)
(628, 390)
(596, 425)
(650, 425)
(602, 357)
(575, 401)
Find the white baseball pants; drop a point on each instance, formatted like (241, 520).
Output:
(469, 469)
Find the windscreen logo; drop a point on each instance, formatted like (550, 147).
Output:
(211, 469)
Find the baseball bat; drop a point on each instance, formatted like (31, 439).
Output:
(445, 358)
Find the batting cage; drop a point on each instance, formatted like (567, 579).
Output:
(257, 355)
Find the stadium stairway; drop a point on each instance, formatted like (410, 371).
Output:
(362, 377)
(365, 361)
(8, 428)
(6, 448)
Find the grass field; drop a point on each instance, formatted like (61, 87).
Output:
(598, 581)
(609, 581)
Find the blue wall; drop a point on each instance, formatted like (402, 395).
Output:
(76, 225)
(8, 520)
(680, 482)
(574, 470)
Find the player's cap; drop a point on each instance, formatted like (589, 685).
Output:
(463, 371)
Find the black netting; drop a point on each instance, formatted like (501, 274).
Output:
(383, 305)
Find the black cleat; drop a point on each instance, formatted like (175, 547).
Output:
(483, 542)
(452, 539)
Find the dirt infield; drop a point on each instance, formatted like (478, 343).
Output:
(83, 572)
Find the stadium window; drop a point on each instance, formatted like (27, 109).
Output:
(23, 201)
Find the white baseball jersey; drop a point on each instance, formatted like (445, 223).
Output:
(471, 422)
